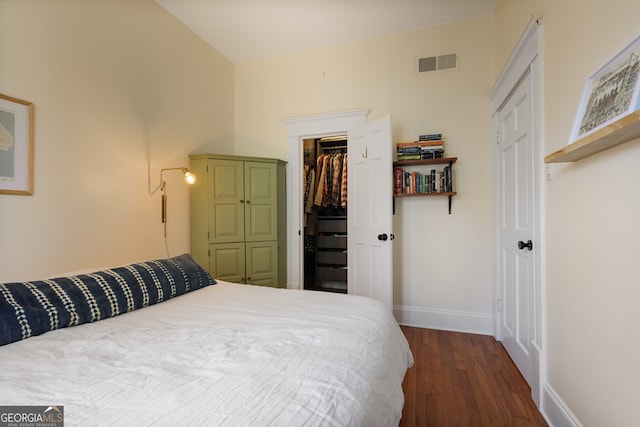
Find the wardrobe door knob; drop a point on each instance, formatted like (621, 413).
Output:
(382, 237)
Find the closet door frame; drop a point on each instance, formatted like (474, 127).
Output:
(298, 129)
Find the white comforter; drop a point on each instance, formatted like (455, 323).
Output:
(227, 355)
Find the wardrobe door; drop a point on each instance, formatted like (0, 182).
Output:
(226, 201)
(227, 262)
(260, 189)
(262, 263)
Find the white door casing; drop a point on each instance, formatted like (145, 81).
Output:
(516, 112)
(370, 217)
(298, 129)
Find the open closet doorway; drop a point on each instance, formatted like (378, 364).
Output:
(299, 130)
(369, 219)
(325, 213)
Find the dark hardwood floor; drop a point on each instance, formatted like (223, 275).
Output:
(464, 380)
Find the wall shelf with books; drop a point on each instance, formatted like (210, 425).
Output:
(415, 178)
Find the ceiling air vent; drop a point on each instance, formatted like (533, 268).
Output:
(428, 64)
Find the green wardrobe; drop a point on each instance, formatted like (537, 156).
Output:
(238, 220)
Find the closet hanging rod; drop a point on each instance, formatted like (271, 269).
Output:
(337, 147)
(338, 138)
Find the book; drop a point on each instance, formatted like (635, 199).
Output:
(397, 180)
(419, 143)
(429, 136)
(414, 179)
(432, 155)
(408, 150)
(448, 179)
(409, 157)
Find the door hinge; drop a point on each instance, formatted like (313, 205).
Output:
(498, 304)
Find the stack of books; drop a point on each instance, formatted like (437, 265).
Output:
(429, 146)
(417, 183)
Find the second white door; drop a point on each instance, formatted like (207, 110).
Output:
(517, 246)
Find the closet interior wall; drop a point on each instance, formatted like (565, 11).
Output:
(325, 214)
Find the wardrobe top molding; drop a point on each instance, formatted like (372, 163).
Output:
(234, 157)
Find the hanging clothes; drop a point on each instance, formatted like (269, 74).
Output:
(326, 186)
(310, 184)
(331, 190)
(343, 184)
(321, 174)
(335, 180)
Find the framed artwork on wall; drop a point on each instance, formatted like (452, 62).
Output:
(611, 92)
(16, 146)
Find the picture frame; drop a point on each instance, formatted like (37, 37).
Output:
(611, 93)
(16, 146)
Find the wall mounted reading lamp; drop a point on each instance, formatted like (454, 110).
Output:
(189, 178)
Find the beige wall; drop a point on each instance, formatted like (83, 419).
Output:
(443, 263)
(591, 217)
(511, 17)
(118, 87)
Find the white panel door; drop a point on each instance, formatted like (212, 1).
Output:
(516, 222)
(370, 221)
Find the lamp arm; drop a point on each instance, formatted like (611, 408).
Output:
(155, 190)
(162, 183)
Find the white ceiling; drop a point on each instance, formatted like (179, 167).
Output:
(247, 30)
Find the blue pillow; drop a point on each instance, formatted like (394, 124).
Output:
(32, 308)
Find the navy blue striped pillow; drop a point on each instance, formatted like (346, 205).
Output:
(32, 308)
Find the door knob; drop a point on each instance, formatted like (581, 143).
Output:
(382, 237)
(528, 245)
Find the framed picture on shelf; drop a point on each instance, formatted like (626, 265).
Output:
(16, 146)
(610, 93)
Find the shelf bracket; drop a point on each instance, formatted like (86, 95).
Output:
(451, 169)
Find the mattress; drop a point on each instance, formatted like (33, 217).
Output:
(224, 355)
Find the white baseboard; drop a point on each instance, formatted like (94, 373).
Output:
(555, 411)
(458, 321)
(536, 378)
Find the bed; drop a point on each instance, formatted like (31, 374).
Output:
(164, 344)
